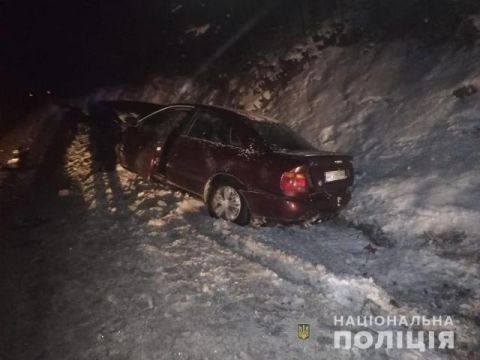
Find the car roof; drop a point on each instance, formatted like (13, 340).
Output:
(145, 109)
(138, 107)
(229, 111)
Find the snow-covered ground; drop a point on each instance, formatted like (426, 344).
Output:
(22, 149)
(127, 269)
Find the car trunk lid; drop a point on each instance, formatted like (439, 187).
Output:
(329, 171)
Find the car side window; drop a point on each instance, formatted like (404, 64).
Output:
(163, 123)
(211, 127)
(235, 139)
(244, 137)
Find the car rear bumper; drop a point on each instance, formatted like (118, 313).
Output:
(283, 208)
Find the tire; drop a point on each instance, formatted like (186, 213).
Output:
(226, 201)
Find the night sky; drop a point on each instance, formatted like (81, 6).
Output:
(71, 47)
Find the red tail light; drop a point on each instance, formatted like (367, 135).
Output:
(294, 182)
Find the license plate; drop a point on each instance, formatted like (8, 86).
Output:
(335, 175)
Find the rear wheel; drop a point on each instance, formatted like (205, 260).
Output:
(227, 202)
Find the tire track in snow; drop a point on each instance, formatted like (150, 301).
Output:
(353, 293)
(356, 294)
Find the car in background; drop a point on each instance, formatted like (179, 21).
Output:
(243, 167)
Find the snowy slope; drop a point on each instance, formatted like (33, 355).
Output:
(416, 145)
(417, 157)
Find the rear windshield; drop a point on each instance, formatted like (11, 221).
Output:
(280, 138)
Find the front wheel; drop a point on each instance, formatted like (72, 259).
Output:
(227, 203)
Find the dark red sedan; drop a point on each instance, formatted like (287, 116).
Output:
(243, 166)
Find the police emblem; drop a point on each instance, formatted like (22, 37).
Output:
(303, 331)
